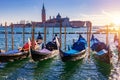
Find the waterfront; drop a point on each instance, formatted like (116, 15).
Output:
(53, 69)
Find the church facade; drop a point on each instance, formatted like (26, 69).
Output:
(52, 22)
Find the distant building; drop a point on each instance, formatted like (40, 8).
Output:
(52, 22)
(1, 25)
(76, 24)
(22, 22)
(56, 21)
(18, 25)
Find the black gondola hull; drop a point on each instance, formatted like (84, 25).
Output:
(106, 57)
(78, 56)
(13, 57)
(39, 56)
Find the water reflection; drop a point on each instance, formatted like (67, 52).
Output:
(69, 68)
(42, 68)
(10, 67)
(104, 68)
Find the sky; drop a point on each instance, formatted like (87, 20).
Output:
(99, 12)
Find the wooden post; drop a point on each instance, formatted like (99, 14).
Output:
(107, 43)
(53, 31)
(65, 36)
(6, 39)
(107, 35)
(60, 33)
(45, 33)
(119, 46)
(33, 38)
(12, 33)
(23, 34)
(89, 28)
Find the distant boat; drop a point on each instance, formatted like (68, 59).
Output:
(78, 51)
(102, 51)
(13, 55)
(48, 52)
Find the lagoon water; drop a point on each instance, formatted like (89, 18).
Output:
(52, 69)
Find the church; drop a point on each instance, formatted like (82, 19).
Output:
(52, 22)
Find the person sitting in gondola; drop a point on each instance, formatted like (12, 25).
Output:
(52, 45)
(37, 44)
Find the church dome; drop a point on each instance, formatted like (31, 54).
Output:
(58, 16)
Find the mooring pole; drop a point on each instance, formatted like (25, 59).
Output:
(45, 29)
(89, 28)
(107, 35)
(33, 38)
(107, 43)
(60, 33)
(65, 36)
(12, 32)
(6, 39)
(23, 34)
(119, 46)
(53, 31)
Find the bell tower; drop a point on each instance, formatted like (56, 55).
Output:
(43, 14)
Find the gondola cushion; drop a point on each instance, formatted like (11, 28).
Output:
(12, 51)
(98, 46)
(71, 52)
(101, 52)
(79, 46)
(51, 46)
(45, 51)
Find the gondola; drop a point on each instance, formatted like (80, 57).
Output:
(78, 51)
(47, 52)
(13, 55)
(102, 51)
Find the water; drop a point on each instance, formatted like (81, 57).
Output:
(52, 69)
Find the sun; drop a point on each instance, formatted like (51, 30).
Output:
(116, 21)
(113, 16)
